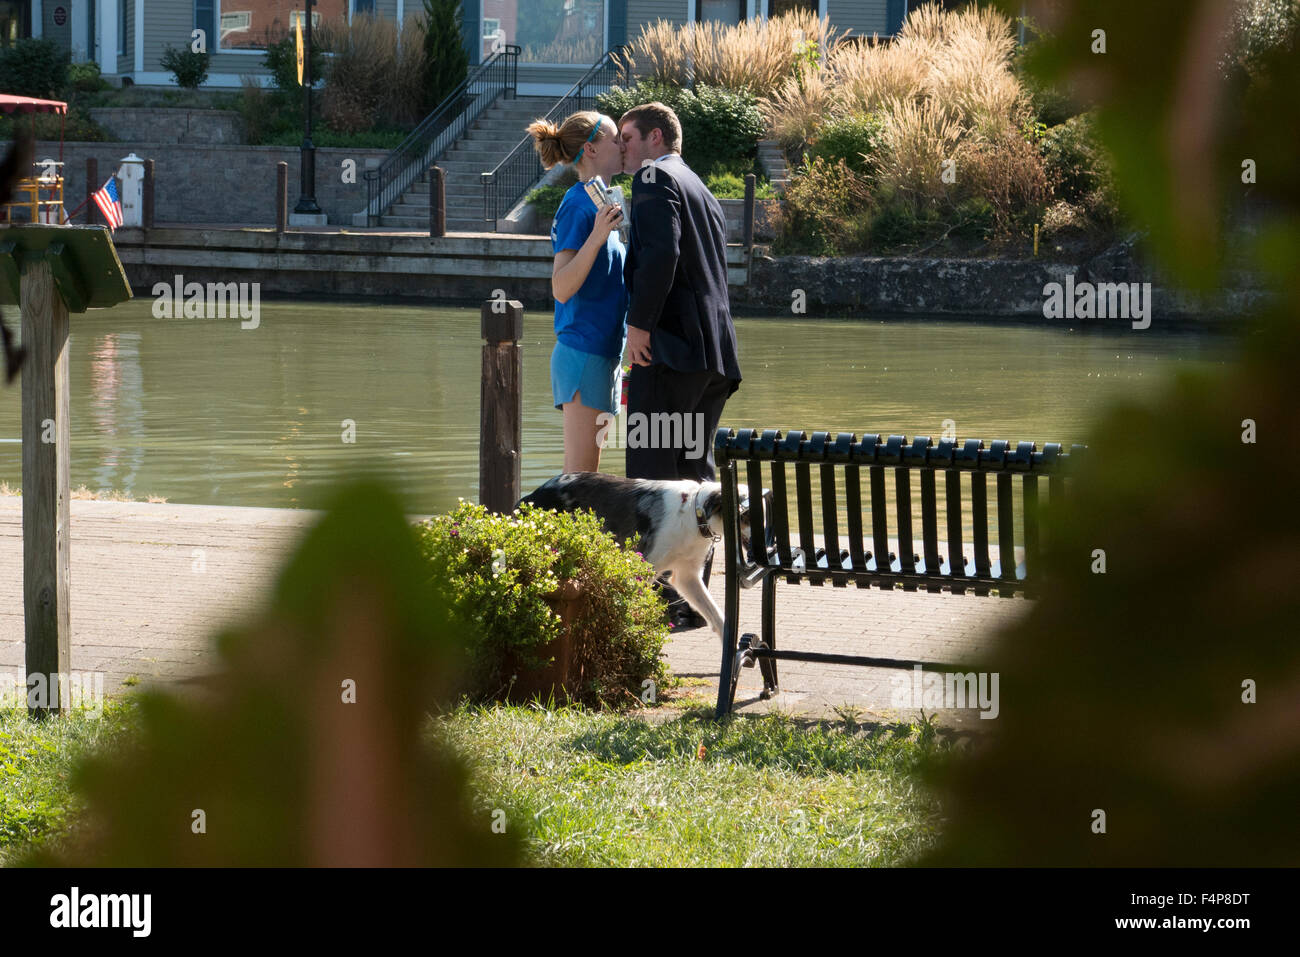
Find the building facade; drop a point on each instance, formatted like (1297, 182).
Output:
(559, 38)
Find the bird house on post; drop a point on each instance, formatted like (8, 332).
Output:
(51, 271)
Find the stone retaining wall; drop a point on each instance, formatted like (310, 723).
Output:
(217, 184)
(171, 125)
(867, 285)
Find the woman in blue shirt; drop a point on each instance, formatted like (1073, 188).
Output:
(587, 283)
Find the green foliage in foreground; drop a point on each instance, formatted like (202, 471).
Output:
(608, 790)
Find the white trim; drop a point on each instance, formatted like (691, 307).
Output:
(690, 11)
(401, 13)
(751, 9)
(108, 35)
(139, 35)
(221, 80)
(821, 8)
(38, 19)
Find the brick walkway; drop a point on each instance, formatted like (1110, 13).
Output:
(151, 583)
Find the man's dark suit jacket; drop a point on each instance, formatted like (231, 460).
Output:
(676, 271)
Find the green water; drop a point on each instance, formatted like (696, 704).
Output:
(203, 411)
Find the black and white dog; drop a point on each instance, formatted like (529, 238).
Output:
(677, 522)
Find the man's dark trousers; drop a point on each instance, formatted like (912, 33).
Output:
(699, 395)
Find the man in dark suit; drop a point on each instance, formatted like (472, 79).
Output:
(680, 338)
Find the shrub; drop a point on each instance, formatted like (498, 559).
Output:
(827, 210)
(1261, 29)
(617, 638)
(547, 200)
(1008, 173)
(446, 64)
(854, 139)
(1072, 158)
(795, 111)
(189, 68)
(281, 60)
(34, 67)
(86, 78)
(753, 56)
(719, 127)
(728, 185)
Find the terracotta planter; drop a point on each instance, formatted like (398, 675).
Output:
(556, 678)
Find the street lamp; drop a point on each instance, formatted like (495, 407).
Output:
(307, 180)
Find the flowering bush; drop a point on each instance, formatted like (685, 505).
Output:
(499, 571)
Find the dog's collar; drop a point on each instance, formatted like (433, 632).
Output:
(702, 521)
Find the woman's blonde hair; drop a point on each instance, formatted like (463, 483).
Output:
(563, 143)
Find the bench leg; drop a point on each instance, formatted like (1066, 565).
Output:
(768, 665)
(729, 671)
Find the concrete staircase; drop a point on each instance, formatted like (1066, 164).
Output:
(487, 142)
(772, 158)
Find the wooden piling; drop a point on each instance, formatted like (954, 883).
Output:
(281, 196)
(45, 411)
(92, 184)
(501, 405)
(748, 231)
(437, 202)
(146, 213)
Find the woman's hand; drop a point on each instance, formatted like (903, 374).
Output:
(606, 222)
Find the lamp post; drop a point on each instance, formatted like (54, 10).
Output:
(307, 181)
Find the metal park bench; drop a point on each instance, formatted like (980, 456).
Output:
(847, 556)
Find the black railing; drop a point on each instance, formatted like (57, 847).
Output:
(496, 75)
(514, 175)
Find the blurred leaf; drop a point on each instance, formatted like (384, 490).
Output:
(286, 772)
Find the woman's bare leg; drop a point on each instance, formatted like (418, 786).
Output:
(581, 425)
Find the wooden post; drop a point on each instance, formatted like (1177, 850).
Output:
(501, 405)
(748, 231)
(47, 627)
(51, 271)
(92, 184)
(146, 214)
(437, 202)
(281, 196)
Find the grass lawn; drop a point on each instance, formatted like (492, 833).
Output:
(620, 790)
(599, 789)
(36, 762)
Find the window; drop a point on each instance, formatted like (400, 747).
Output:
(252, 25)
(549, 31)
(122, 7)
(205, 18)
(363, 6)
(490, 27)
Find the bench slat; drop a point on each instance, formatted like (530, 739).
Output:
(803, 495)
(930, 524)
(781, 506)
(1006, 528)
(879, 520)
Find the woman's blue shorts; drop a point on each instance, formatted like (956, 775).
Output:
(598, 379)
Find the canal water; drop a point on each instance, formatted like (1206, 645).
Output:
(206, 412)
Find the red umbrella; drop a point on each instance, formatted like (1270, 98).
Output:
(28, 104)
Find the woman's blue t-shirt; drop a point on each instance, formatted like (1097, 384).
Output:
(593, 319)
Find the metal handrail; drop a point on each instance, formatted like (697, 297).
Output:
(507, 183)
(448, 122)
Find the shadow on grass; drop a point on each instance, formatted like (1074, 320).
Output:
(804, 746)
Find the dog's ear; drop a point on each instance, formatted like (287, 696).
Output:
(712, 502)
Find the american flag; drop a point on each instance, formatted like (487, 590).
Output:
(109, 203)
